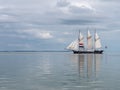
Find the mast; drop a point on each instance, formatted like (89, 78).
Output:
(94, 40)
(79, 41)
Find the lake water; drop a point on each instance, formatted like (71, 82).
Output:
(59, 71)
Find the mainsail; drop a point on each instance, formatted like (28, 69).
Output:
(89, 41)
(81, 40)
(97, 41)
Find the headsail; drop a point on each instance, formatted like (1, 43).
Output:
(74, 45)
(89, 41)
(97, 41)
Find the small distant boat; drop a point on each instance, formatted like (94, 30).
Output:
(92, 46)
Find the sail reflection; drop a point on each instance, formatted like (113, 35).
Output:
(88, 65)
(81, 65)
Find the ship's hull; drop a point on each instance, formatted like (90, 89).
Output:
(88, 52)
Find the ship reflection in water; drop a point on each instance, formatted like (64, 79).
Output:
(59, 71)
(88, 65)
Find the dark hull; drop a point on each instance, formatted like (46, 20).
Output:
(88, 52)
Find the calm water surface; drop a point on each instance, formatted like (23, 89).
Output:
(59, 71)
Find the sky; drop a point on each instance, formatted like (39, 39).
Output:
(53, 24)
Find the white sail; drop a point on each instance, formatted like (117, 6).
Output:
(89, 41)
(97, 41)
(81, 40)
(73, 45)
(70, 46)
(78, 45)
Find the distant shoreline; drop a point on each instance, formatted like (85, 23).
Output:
(38, 51)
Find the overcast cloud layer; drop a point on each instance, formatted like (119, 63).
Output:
(53, 24)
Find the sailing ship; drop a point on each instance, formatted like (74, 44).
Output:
(92, 46)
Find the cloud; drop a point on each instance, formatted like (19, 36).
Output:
(67, 33)
(80, 10)
(6, 14)
(43, 35)
(62, 3)
(80, 21)
(2, 8)
(48, 14)
(8, 35)
(7, 18)
(76, 12)
(36, 33)
(27, 46)
(75, 7)
(54, 22)
(109, 0)
(82, 4)
(61, 40)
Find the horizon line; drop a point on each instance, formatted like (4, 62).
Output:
(35, 51)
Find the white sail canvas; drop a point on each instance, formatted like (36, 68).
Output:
(76, 45)
(97, 41)
(73, 45)
(81, 40)
(89, 41)
(70, 46)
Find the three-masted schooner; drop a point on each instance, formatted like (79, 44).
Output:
(93, 46)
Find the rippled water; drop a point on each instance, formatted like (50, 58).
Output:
(59, 71)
